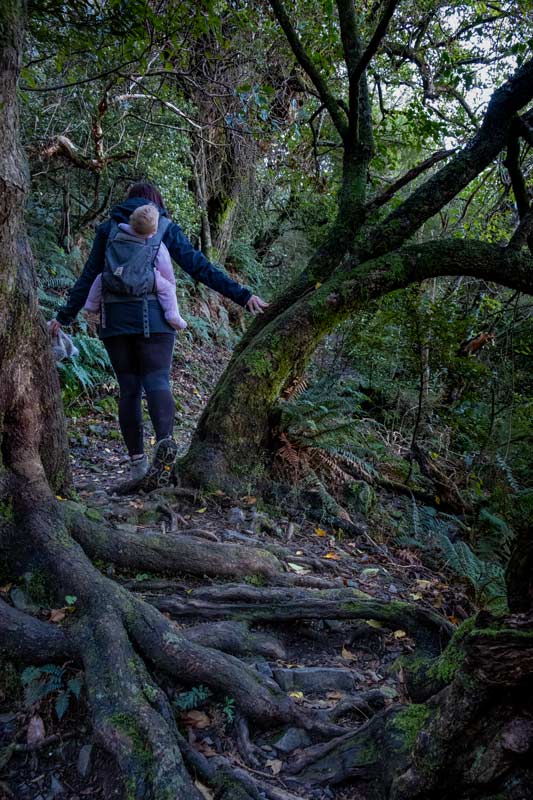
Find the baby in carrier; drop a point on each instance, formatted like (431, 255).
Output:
(143, 223)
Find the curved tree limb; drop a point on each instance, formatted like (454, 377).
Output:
(410, 175)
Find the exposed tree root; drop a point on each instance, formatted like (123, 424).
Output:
(115, 636)
(236, 638)
(170, 554)
(430, 630)
(25, 639)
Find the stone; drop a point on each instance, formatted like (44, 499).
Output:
(127, 527)
(21, 601)
(291, 739)
(236, 517)
(315, 680)
(56, 789)
(264, 668)
(84, 760)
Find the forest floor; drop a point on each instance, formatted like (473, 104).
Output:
(323, 661)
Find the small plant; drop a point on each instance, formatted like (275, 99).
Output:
(229, 708)
(186, 701)
(41, 682)
(255, 580)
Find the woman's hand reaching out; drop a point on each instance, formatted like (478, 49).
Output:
(256, 305)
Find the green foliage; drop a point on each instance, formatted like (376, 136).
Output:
(186, 701)
(42, 682)
(410, 722)
(88, 374)
(229, 709)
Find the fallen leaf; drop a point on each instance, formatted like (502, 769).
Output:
(318, 285)
(196, 719)
(297, 695)
(249, 499)
(334, 695)
(201, 510)
(320, 532)
(399, 634)
(332, 556)
(374, 623)
(298, 568)
(347, 655)
(204, 791)
(57, 614)
(423, 584)
(35, 732)
(275, 765)
(415, 595)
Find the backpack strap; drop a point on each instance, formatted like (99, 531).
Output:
(157, 238)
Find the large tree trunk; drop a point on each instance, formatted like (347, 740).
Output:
(32, 430)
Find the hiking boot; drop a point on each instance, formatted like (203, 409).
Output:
(138, 468)
(160, 471)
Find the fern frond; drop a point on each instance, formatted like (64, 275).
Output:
(296, 388)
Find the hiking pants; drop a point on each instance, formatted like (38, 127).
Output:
(143, 363)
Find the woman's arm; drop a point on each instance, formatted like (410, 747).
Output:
(93, 267)
(195, 264)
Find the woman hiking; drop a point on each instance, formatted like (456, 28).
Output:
(135, 332)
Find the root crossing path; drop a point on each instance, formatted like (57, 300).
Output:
(223, 650)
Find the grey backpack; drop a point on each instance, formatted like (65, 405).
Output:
(128, 272)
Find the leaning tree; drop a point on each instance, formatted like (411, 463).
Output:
(469, 727)
(368, 251)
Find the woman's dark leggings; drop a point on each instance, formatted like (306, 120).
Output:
(143, 363)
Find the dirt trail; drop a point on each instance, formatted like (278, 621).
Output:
(320, 662)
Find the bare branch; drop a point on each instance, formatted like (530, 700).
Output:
(312, 71)
(63, 146)
(523, 233)
(147, 95)
(512, 163)
(90, 79)
(374, 43)
(409, 176)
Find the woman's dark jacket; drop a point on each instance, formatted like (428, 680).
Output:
(126, 317)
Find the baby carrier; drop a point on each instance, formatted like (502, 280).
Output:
(128, 272)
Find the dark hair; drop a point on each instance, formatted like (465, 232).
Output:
(147, 191)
